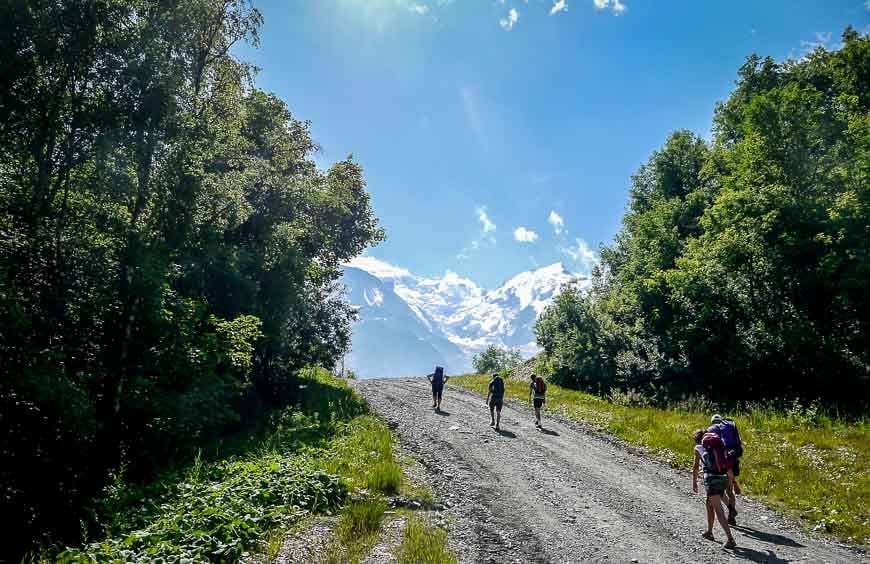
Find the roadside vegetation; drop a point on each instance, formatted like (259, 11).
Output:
(308, 459)
(742, 265)
(799, 459)
(169, 259)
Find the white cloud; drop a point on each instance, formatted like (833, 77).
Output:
(557, 221)
(510, 21)
(582, 254)
(421, 9)
(562, 6)
(378, 268)
(823, 39)
(616, 6)
(486, 224)
(485, 237)
(524, 235)
(867, 5)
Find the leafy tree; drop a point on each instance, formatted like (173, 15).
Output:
(496, 359)
(740, 267)
(169, 251)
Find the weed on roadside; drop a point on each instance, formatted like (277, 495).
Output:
(424, 544)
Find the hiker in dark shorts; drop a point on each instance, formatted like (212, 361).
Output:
(727, 430)
(715, 483)
(494, 399)
(537, 395)
(437, 379)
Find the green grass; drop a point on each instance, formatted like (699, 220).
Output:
(306, 461)
(798, 460)
(357, 531)
(423, 544)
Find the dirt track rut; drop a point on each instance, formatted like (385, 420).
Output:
(564, 494)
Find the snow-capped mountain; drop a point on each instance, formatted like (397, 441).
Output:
(409, 323)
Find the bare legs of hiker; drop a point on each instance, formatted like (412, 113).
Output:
(495, 413)
(714, 507)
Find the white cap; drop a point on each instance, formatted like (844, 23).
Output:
(716, 419)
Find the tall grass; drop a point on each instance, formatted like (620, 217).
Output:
(423, 544)
(798, 459)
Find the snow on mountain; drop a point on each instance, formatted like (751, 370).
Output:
(451, 311)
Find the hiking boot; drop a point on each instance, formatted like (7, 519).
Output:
(730, 544)
(732, 516)
(732, 521)
(708, 535)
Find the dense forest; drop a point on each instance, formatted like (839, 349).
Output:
(169, 252)
(742, 267)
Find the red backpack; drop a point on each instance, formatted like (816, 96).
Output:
(716, 459)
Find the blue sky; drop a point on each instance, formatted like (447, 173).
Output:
(477, 121)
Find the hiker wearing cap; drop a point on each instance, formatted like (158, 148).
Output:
(710, 455)
(494, 399)
(727, 430)
(437, 379)
(537, 395)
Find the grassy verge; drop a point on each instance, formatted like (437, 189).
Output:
(423, 544)
(309, 461)
(798, 460)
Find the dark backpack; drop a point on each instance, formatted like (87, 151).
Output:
(727, 429)
(438, 377)
(540, 386)
(497, 387)
(715, 458)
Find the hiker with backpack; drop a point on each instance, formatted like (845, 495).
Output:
(710, 455)
(727, 431)
(437, 379)
(494, 399)
(537, 395)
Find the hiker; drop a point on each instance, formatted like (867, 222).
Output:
(710, 453)
(437, 379)
(537, 395)
(494, 399)
(727, 430)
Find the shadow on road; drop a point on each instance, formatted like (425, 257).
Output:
(442, 412)
(756, 555)
(771, 538)
(549, 432)
(507, 434)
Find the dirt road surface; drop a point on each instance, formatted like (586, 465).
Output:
(565, 494)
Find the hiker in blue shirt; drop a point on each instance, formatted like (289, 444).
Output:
(437, 379)
(494, 399)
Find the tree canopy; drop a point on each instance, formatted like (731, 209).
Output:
(169, 252)
(742, 264)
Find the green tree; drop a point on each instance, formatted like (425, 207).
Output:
(496, 359)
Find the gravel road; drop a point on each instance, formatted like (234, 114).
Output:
(564, 494)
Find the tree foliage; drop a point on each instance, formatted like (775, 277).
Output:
(169, 252)
(742, 264)
(496, 359)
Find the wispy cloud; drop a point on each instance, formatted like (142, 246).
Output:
(562, 6)
(823, 39)
(486, 224)
(508, 22)
(557, 221)
(421, 9)
(524, 235)
(469, 105)
(616, 6)
(582, 254)
(485, 236)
